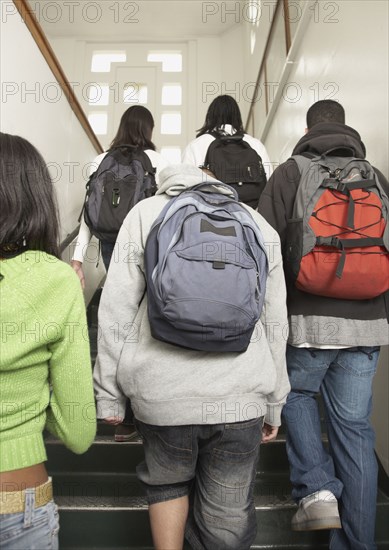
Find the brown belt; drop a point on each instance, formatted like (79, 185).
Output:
(12, 502)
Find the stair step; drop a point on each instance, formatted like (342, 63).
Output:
(115, 505)
(116, 528)
(125, 522)
(108, 455)
(262, 499)
(102, 504)
(85, 489)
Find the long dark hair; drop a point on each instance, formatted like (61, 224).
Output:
(223, 110)
(135, 128)
(29, 215)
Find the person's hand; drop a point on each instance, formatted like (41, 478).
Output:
(113, 420)
(77, 266)
(269, 433)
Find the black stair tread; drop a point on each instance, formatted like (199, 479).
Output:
(107, 438)
(269, 490)
(289, 546)
(128, 493)
(112, 503)
(298, 546)
(262, 502)
(255, 547)
(272, 547)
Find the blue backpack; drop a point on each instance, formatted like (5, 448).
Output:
(206, 270)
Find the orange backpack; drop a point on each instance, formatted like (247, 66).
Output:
(338, 237)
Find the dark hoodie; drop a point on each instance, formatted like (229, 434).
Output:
(276, 206)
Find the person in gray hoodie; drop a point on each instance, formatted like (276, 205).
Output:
(201, 415)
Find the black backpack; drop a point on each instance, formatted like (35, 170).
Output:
(233, 161)
(124, 177)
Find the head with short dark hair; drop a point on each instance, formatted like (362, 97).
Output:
(29, 216)
(135, 128)
(223, 110)
(325, 110)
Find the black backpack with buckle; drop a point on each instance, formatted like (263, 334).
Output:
(234, 162)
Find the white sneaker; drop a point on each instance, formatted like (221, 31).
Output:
(317, 511)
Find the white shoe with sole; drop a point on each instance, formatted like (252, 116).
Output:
(317, 511)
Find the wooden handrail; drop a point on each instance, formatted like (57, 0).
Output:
(51, 59)
(69, 239)
(288, 35)
(263, 62)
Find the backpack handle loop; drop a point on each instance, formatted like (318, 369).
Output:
(208, 187)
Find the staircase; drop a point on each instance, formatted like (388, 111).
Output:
(102, 505)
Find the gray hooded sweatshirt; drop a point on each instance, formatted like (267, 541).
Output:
(169, 385)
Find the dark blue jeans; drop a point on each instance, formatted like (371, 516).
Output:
(217, 464)
(344, 378)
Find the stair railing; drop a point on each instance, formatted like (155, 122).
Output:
(265, 98)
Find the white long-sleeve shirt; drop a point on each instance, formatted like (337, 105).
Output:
(196, 150)
(84, 235)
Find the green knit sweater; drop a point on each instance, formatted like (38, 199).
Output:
(45, 369)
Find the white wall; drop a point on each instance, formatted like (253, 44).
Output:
(255, 36)
(342, 54)
(232, 68)
(209, 77)
(332, 62)
(219, 70)
(34, 107)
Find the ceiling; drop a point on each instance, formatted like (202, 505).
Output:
(140, 20)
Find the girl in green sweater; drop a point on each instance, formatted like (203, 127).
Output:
(45, 370)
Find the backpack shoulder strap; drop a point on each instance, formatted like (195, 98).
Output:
(303, 163)
(211, 146)
(144, 159)
(138, 154)
(233, 138)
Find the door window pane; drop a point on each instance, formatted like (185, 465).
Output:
(171, 94)
(171, 123)
(135, 93)
(101, 61)
(171, 62)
